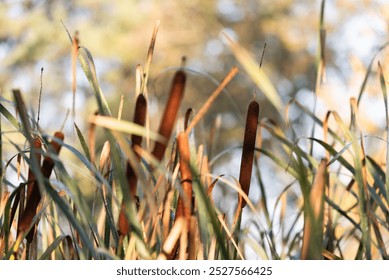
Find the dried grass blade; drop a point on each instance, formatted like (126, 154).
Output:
(121, 104)
(124, 126)
(313, 216)
(3, 201)
(231, 237)
(329, 255)
(172, 238)
(211, 99)
(150, 53)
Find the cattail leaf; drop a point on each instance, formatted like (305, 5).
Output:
(368, 72)
(83, 143)
(68, 212)
(313, 216)
(53, 246)
(87, 64)
(9, 117)
(337, 156)
(317, 120)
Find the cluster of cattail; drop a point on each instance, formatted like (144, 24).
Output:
(165, 130)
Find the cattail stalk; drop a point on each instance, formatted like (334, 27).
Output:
(184, 205)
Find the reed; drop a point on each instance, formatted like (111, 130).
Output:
(330, 208)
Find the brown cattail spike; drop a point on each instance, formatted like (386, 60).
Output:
(37, 146)
(140, 119)
(35, 195)
(250, 135)
(170, 114)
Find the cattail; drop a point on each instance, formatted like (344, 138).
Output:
(35, 195)
(170, 114)
(140, 119)
(36, 149)
(250, 135)
(48, 163)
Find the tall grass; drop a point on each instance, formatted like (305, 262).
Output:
(160, 202)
